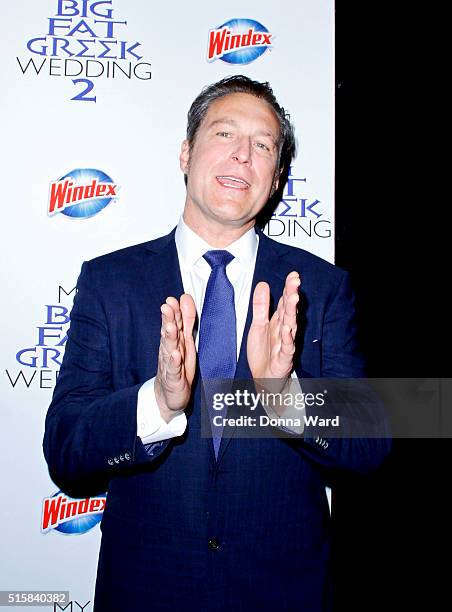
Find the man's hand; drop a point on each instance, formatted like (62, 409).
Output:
(177, 356)
(271, 344)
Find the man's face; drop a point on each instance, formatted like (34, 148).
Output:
(231, 166)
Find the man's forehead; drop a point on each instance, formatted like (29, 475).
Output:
(232, 109)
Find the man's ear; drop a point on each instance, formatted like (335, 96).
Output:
(184, 157)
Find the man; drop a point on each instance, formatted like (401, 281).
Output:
(207, 524)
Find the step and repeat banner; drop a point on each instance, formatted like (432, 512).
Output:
(93, 112)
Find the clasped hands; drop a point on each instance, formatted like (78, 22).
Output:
(270, 345)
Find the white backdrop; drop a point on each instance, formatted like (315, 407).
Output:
(132, 132)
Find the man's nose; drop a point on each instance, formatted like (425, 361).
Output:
(242, 151)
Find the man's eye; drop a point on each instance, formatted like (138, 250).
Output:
(224, 134)
(261, 145)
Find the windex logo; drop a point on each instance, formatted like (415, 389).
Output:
(238, 41)
(68, 515)
(81, 193)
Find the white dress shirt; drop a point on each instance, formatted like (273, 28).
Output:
(195, 272)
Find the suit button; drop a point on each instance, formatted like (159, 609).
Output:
(116, 459)
(110, 462)
(127, 456)
(214, 544)
(121, 457)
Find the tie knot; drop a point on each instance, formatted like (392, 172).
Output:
(218, 258)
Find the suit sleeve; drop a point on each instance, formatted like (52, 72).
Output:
(91, 429)
(340, 358)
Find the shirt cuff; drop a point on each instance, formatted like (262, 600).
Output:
(294, 410)
(151, 427)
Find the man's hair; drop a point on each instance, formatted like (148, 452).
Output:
(242, 84)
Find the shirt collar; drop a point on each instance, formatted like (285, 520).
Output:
(191, 247)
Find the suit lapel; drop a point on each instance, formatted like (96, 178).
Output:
(164, 268)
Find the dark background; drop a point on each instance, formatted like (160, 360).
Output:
(391, 531)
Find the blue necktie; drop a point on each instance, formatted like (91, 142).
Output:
(217, 349)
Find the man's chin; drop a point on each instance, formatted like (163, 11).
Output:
(232, 218)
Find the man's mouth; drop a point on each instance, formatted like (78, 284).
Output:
(233, 181)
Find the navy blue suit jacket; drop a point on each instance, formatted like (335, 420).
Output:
(249, 531)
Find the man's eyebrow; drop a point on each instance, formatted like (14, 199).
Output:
(223, 120)
(234, 123)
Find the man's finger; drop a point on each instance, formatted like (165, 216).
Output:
(290, 321)
(276, 321)
(291, 297)
(188, 309)
(286, 311)
(287, 348)
(173, 371)
(280, 308)
(170, 337)
(167, 316)
(174, 304)
(290, 306)
(294, 275)
(261, 303)
(291, 285)
(188, 313)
